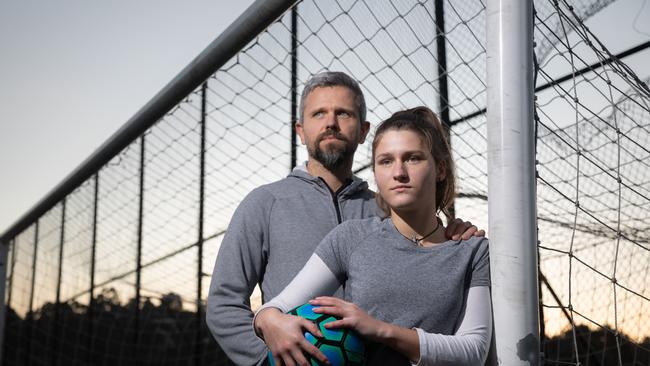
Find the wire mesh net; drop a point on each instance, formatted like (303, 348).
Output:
(593, 199)
(118, 272)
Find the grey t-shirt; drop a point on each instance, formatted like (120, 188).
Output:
(398, 282)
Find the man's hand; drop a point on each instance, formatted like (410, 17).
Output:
(283, 334)
(459, 229)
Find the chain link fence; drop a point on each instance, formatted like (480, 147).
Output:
(117, 272)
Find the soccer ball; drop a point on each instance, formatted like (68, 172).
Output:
(343, 347)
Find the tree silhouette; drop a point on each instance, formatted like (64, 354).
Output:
(595, 348)
(104, 333)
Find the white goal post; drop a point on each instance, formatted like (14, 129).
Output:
(511, 181)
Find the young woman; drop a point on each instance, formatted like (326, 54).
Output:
(416, 296)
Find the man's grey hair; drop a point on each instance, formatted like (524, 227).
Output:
(330, 79)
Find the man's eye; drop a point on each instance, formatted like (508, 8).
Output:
(413, 159)
(318, 114)
(344, 114)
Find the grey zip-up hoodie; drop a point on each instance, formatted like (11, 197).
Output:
(271, 235)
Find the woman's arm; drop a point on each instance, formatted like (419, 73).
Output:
(468, 346)
(314, 279)
(471, 342)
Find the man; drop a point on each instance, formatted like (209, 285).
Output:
(277, 226)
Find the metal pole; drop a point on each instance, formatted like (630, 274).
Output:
(56, 331)
(4, 268)
(443, 84)
(30, 314)
(199, 275)
(11, 270)
(91, 303)
(138, 266)
(294, 84)
(441, 54)
(511, 181)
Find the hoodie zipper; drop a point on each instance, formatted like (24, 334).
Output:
(335, 199)
(338, 209)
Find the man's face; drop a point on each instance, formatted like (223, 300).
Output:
(331, 128)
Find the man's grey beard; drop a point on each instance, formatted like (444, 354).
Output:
(334, 158)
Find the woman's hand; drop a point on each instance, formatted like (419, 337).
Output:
(402, 340)
(352, 317)
(283, 334)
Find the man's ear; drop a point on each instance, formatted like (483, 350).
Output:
(364, 129)
(300, 132)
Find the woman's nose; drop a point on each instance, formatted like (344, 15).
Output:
(399, 171)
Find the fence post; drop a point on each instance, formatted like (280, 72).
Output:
(93, 252)
(4, 268)
(294, 85)
(57, 330)
(29, 318)
(199, 286)
(138, 266)
(441, 56)
(443, 84)
(511, 181)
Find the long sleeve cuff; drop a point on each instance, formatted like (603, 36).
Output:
(471, 342)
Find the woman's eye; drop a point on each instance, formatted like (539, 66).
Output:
(413, 159)
(383, 162)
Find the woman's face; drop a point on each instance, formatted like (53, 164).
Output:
(405, 172)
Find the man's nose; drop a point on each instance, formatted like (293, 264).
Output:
(331, 121)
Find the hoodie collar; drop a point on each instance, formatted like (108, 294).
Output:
(357, 184)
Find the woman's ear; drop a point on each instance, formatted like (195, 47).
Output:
(441, 173)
